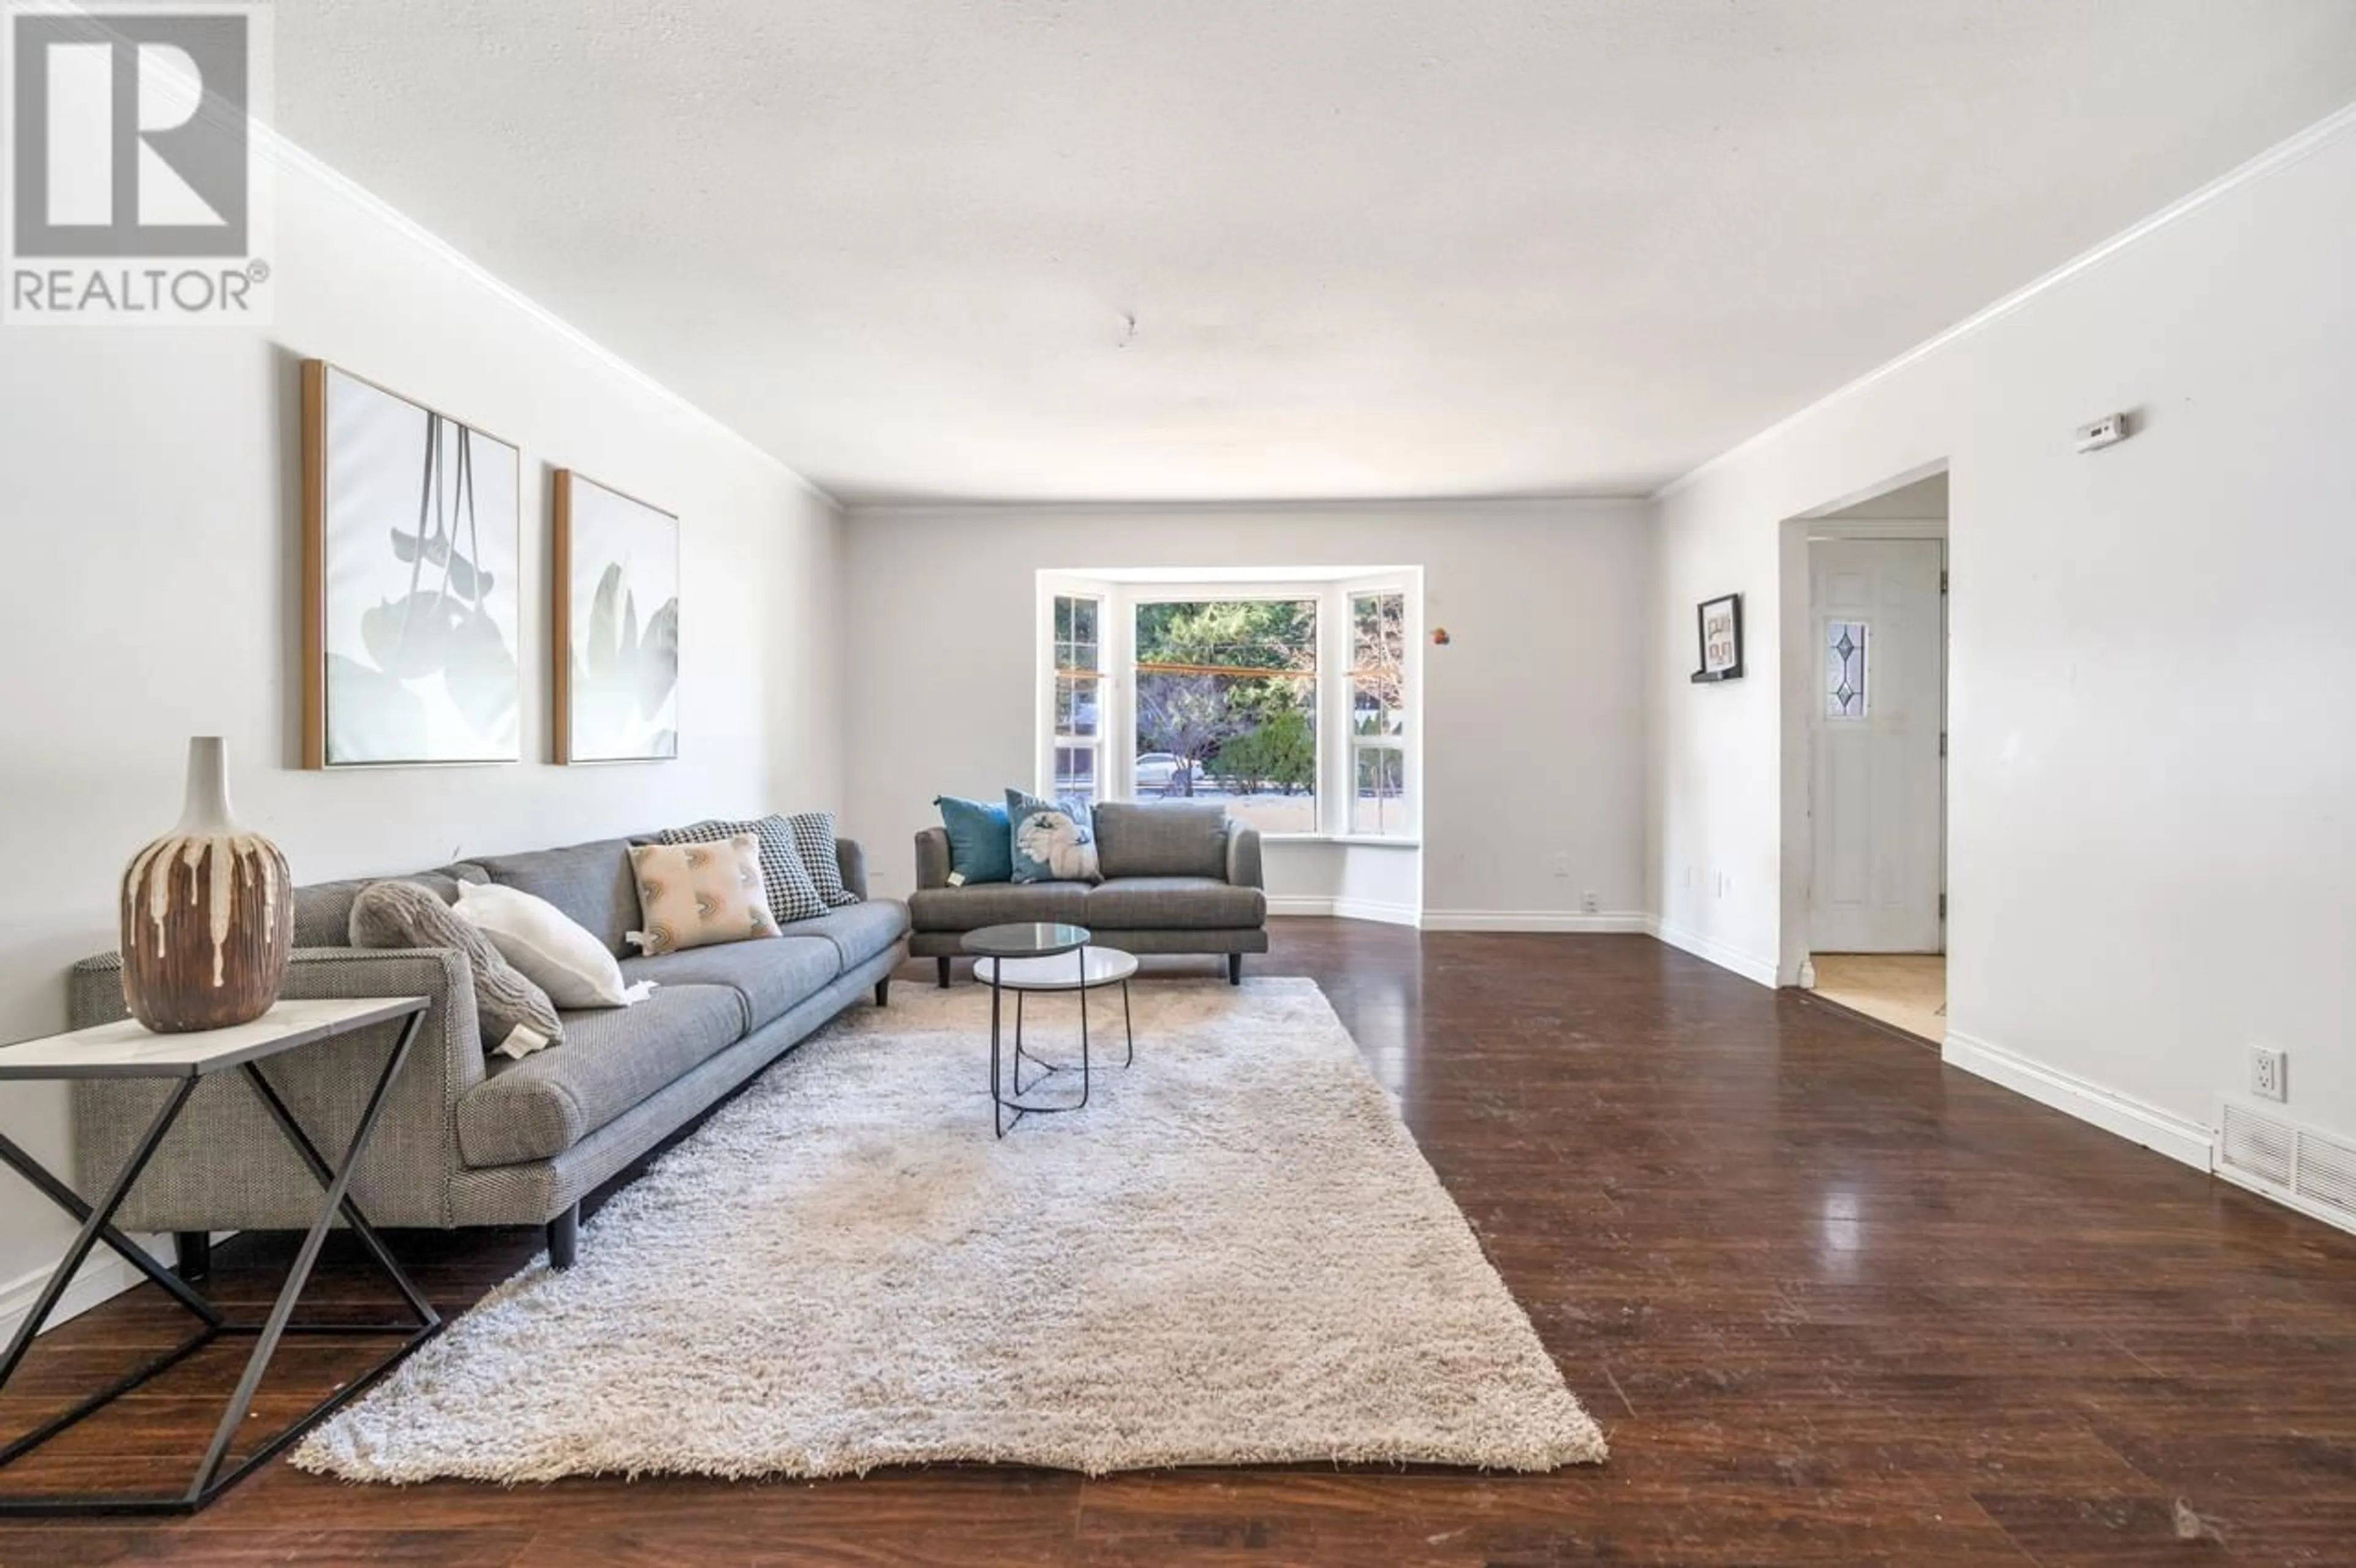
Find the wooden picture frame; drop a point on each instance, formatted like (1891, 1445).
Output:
(411, 548)
(613, 665)
(1718, 625)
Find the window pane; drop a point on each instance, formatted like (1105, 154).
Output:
(1380, 805)
(1845, 669)
(1076, 647)
(1075, 707)
(1378, 664)
(1226, 707)
(1076, 771)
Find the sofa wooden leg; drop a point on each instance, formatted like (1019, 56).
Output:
(564, 1238)
(195, 1249)
(1234, 969)
(884, 992)
(943, 962)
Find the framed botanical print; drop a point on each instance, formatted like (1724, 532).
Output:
(615, 624)
(1719, 621)
(410, 555)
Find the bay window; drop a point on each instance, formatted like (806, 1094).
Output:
(1289, 700)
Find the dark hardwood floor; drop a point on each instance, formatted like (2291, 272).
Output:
(1834, 1302)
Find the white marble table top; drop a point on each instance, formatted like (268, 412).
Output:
(128, 1048)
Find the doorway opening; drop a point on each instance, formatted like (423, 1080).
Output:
(1865, 738)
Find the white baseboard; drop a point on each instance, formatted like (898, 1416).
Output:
(1536, 920)
(102, 1278)
(1343, 909)
(2187, 1142)
(1370, 909)
(2287, 1199)
(1748, 965)
(1520, 920)
(1280, 904)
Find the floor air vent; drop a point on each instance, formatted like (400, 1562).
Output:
(2268, 1152)
(2258, 1146)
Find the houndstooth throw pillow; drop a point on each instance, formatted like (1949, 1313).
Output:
(813, 834)
(792, 895)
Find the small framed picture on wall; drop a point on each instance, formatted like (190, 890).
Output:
(1720, 623)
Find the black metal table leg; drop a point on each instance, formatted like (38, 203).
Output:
(97, 1225)
(998, 1101)
(353, 1218)
(1083, 1025)
(67, 1199)
(1019, 994)
(281, 1311)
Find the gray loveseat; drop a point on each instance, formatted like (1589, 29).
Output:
(464, 1140)
(1179, 877)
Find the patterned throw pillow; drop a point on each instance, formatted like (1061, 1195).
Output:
(513, 1015)
(792, 895)
(694, 895)
(813, 834)
(1053, 840)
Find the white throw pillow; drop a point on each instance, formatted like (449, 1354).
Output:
(558, 955)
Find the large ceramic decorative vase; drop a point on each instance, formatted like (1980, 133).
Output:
(207, 914)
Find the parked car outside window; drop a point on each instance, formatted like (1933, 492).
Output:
(1158, 772)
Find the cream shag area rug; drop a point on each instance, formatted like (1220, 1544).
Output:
(1235, 1256)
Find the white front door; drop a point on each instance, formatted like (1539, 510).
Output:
(1876, 717)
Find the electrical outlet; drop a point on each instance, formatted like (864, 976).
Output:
(1562, 863)
(1589, 902)
(2269, 1073)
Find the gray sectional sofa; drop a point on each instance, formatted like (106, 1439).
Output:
(466, 1140)
(1179, 877)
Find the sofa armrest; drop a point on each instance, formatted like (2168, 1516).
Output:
(933, 858)
(225, 1166)
(1244, 869)
(852, 861)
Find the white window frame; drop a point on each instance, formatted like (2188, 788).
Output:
(1407, 744)
(1107, 723)
(1337, 779)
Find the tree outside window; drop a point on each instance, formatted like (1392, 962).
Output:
(1378, 803)
(1227, 703)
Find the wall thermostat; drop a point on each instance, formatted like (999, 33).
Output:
(2107, 431)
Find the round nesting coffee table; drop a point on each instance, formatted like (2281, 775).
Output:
(1043, 957)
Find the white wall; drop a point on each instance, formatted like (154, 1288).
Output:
(1533, 713)
(1356, 881)
(2153, 740)
(148, 492)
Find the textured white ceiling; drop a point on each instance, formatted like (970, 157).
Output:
(1209, 248)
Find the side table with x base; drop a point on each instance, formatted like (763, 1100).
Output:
(127, 1050)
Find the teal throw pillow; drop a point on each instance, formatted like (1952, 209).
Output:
(982, 842)
(1052, 840)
